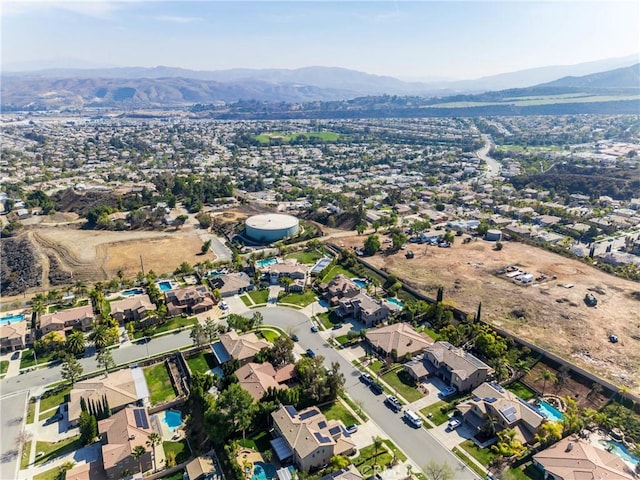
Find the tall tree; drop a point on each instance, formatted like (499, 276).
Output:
(76, 342)
(438, 471)
(198, 335)
(105, 360)
(137, 453)
(233, 412)
(101, 336)
(546, 376)
(372, 244)
(153, 441)
(71, 369)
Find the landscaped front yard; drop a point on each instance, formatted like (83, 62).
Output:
(437, 416)
(159, 383)
(55, 450)
(4, 366)
(29, 360)
(202, 362)
(259, 296)
(171, 324)
(368, 459)
(301, 299)
(337, 411)
(54, 398)
(402, 383)
(484, 455)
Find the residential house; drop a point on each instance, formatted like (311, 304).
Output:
(347, 473)
(490, 401)
(123, 387)
(232, 284)
(79, 318)
(120, 434)
(455, 366)
(243, 348)
(307, 438)
(257, 378)
(192, 300)
(364, 309)
(201, 468)
(340, 287)
(298, 273)
(575, 459)
(137, 307)
(397, 340)
(86, 471)
(14, 336)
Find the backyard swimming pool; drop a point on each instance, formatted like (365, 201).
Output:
(395, 301)
(165, 286)
(11, 319)
(359, 282)
(131, 292)
(266, 262)
(172, 419)
(263, 471)
(620, 450)
(549, 411)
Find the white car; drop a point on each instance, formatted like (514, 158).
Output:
(224, 305)
(454, 423)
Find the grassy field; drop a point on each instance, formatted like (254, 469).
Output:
(26, 451)
(367, 459)
(181, 450)
(521, 390)
(483, 455)
(55, 450)
(402, 383)
(300, 299)
(259, 296)
(337, 411)
(259, 441)
(171, 324)
(267, 137)
(159, 383)
(307, 258)
(202, 362)
(53, 399)
(438, 417)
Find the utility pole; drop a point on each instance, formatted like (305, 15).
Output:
(142, 265)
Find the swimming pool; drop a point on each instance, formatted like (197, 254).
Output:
(620, 450)
(131, 292)
(549, 411)
(11, 319)
(165, 286)
(263, 471)
(172, 419)
(266, 262)
(395, 301)
(359, 282)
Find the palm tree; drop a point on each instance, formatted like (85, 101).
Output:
(76, 342)
(80, 288)
(154, 440)
(100, 336)
(137, 452)
(546, 376)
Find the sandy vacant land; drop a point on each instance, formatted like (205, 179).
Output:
(546, 313)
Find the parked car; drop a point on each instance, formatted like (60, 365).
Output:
(294, 337)
(393, 403)
(453, 424)
(352, 429)
(224, 305)
(314, 329)
(311, 353)
(366, 378)
(376, 388)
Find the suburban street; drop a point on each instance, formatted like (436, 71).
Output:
(419, 444)
(493, 167)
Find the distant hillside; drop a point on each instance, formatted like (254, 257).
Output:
(626, 77)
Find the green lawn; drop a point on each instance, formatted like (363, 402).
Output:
(399, 455)
(55, 450)
(367, 458)
(259, 296)
(26, 451)
(287, 137)
(31, 410)
(526, 472)
(342, 339)
(269, 335)
(259, 441)
(402, 383)
(521, 390)
(159, 384)
(175, 476)
(171, 324)
(337, 411)
(438, 417)
(202, 362)
(246, 300)
(328, 319)
(307, 258)
(52, 474)
(354, 407)
(181, 449)
(337, 270)
(376, 366)
(484, 455)
(301, 299)
(468, 462)
(4, 366)
(27, 360)
(54, 398)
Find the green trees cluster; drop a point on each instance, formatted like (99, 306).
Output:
(88, 427)
(372, 244)
(244, 324)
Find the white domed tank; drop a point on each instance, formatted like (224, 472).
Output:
(271, 227)
(493, 235)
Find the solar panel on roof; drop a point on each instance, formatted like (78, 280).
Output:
(321, 438)
(291, 410)
(322, 424)
(490, 399)
(509, 413)
(308, 414)
(334, 430)
(140, 417)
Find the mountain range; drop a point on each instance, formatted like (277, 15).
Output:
(138, 87)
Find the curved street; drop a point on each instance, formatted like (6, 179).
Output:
(493, 167)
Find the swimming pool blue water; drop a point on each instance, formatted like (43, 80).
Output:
(549, 411)
(11, 319)
(165, 286)
(620, 450)
(359, 283)
(263, 471)
(131, 292)
(172, 419)
(266, 262)
(395, 301)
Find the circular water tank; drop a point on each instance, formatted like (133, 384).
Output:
(493, 235)
(271, 227)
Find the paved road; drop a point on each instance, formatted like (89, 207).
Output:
(418, 444)
(12, 412)
(493, 167)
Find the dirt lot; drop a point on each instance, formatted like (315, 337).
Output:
(546, 313)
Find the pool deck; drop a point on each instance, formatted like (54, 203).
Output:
(168, 435)
(248, 456)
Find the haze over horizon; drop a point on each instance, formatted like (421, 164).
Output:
(411, 40)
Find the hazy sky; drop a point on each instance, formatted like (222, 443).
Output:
(450, 39)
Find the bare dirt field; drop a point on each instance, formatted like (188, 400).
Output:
(546, 313)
